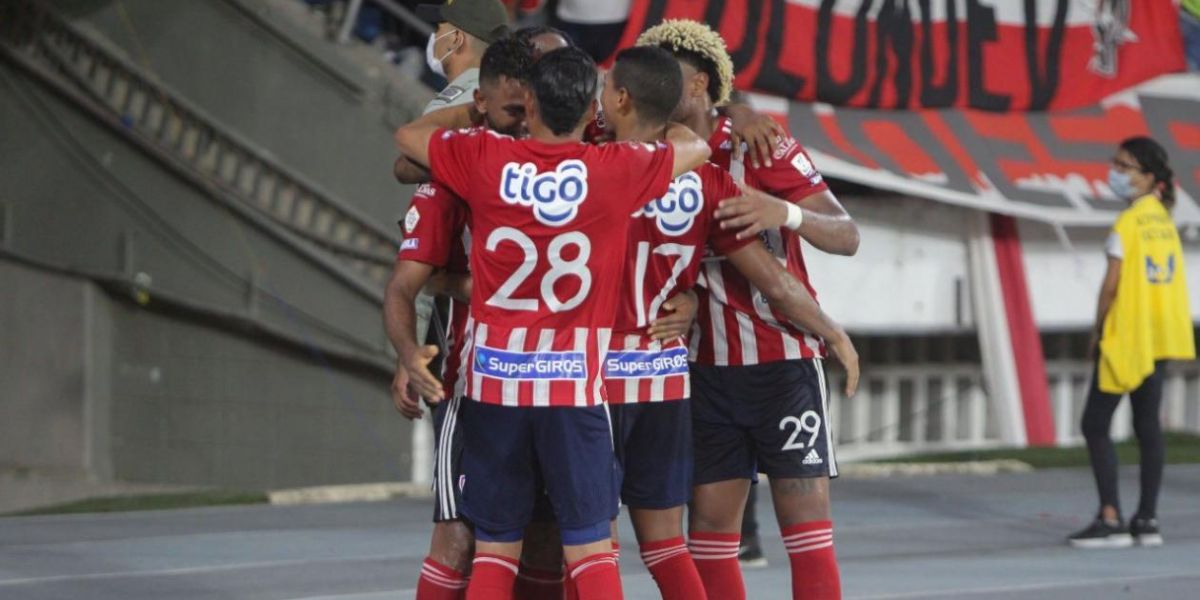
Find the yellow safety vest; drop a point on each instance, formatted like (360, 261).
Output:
(1150, 319)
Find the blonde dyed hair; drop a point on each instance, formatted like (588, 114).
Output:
(700, 39)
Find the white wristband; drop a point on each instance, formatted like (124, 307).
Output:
(795, 216)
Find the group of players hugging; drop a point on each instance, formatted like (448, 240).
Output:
(631, 322)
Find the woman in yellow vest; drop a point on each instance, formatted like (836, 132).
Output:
(1143, 318)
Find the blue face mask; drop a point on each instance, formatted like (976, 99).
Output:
(1121, 184)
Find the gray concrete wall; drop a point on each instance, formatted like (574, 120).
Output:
(195, 405)
(97, 385)
(76, 194)
(42, 370)
(101, 388)
(283, 88)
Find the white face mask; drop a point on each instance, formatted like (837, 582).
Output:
(1120, 183)
(435, 63)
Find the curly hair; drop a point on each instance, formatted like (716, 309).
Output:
(698, 45)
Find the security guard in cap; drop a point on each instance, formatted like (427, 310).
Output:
(464, 30)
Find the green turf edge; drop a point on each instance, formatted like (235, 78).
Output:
(108, 504)
(1182, 448)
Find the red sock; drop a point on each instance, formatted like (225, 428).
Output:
(596, 577)
(716, 560)
(814, 565)
(538, 584)
(492, 577)
(673, 570)
(439, 582)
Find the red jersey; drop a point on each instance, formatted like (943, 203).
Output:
(550, 223)
(435, 234)
(737, 326)
(668, 238)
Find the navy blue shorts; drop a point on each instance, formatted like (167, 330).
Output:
(770, 418)
(512, 453)
(447, 460)
(653, 442)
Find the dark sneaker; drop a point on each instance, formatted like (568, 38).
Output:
(1145, 531)
(1102, 534)
(750, 553)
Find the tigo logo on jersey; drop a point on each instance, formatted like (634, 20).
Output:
(503, 364)
(410, 244)
(636, 364)
(554, 195)
(676, 211)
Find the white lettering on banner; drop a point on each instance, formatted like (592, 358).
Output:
(555, 195)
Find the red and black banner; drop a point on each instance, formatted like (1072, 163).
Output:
(1043, 166)
(994, 55)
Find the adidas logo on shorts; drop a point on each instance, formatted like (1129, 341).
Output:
(813, 458)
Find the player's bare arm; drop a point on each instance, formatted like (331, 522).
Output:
(824, 223)
(691, 150)
(400, 321)
(409, 172)
(413, 138)
(789, 296)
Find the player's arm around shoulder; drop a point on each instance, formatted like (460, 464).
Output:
(805, 204)
(413, 139)
(787, 295)
(691, 150)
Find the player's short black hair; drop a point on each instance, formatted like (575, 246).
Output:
(653, 80)
(564, 83)
(510, 56)
(702, 64)
(528, 33)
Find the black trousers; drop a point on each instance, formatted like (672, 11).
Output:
(1146, 402)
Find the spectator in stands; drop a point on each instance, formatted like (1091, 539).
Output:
(1142, 319)
(1189, 24)
(596, 27)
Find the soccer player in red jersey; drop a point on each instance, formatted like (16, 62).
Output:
(434, 240)
(549, 220)
(758, 384)
(647, 380)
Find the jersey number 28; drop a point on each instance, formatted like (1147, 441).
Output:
(559, 268)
